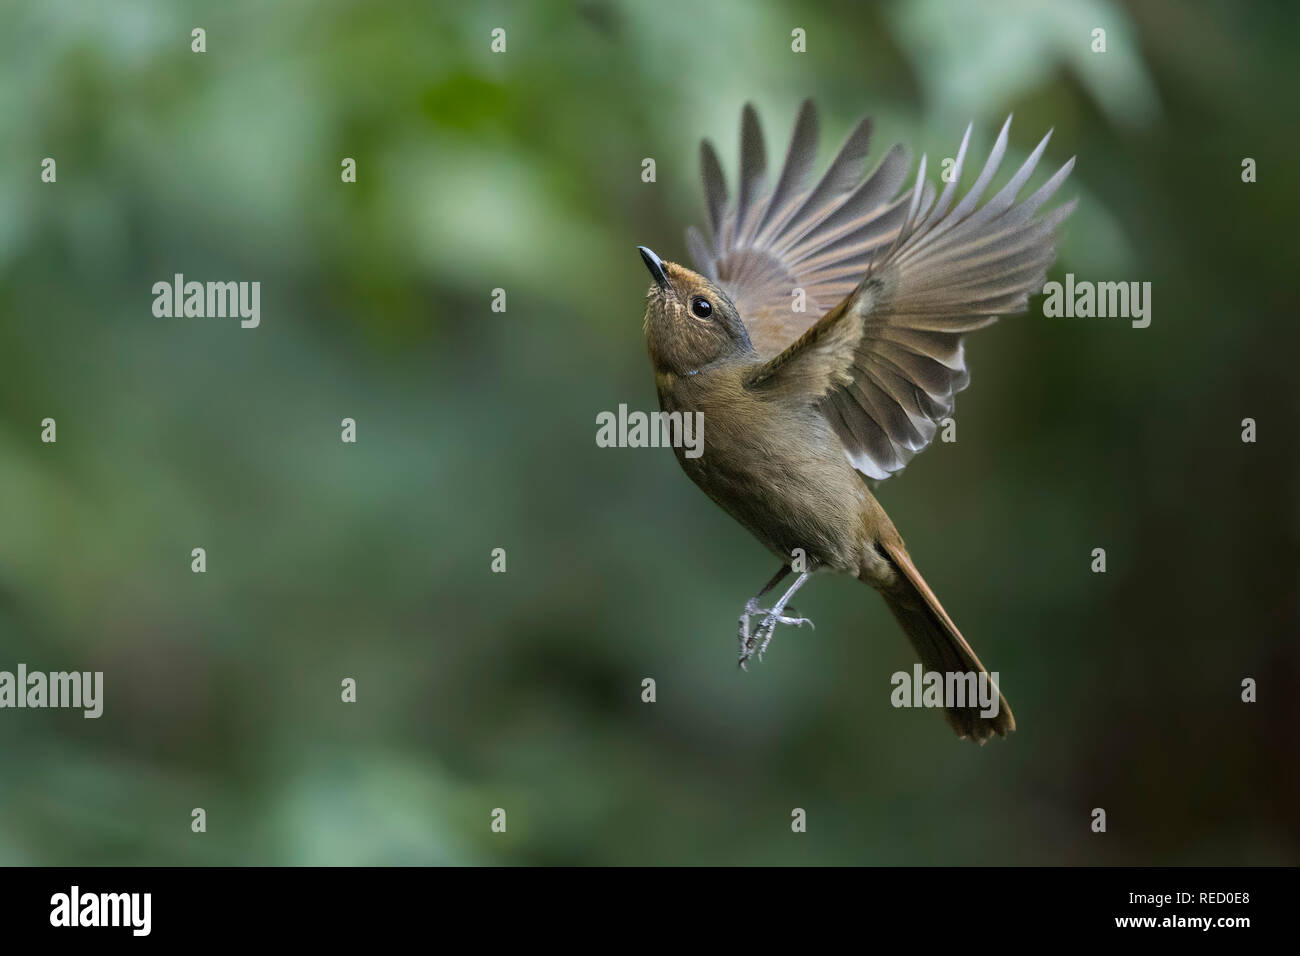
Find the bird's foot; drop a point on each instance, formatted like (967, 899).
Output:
(756, 643)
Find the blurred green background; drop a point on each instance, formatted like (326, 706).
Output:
(476, 431)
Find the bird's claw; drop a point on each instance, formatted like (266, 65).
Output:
(756, 644)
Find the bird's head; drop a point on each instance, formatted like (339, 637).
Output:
(689, 321)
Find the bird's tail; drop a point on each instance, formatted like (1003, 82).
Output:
(940, 646)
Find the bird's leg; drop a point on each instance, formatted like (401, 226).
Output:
(776, 615)
(752, 608)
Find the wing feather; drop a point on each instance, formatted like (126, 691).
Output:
(819, 238)
(885, 363)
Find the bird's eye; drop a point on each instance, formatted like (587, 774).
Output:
(700, 307)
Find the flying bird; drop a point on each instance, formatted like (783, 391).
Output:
(820, 336)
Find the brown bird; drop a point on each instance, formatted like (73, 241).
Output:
(821, 339)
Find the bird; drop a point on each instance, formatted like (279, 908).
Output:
(820, 337)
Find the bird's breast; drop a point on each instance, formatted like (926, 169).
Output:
(777, 468)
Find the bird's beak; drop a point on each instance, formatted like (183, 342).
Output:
(655, 265)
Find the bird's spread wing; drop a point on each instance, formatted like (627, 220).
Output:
(884, 364)
(774, 241)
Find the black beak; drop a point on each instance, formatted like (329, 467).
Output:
(655, 265)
